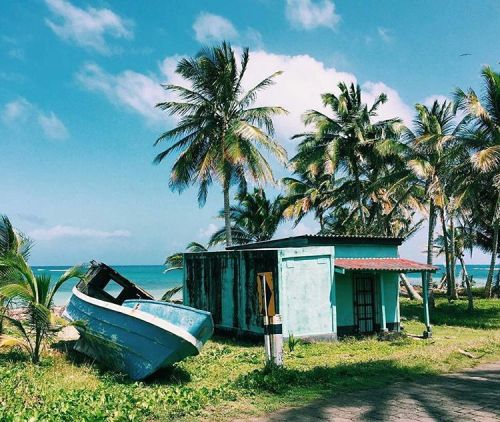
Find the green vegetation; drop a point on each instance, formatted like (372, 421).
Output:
(35, 293)
(229, 378)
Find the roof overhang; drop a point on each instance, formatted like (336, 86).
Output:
(399, 265)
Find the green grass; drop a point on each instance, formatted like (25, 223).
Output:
(229, 379)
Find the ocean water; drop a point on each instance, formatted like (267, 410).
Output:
(479, 272)
(153, 278)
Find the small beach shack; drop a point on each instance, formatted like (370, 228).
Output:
(323, 286)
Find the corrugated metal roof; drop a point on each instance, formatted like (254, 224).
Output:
(382, 264)
(319, 240)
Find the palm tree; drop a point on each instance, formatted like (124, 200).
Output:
(11, 242)
(462, 241)
(34, 292)
(433, 151)
(255, 218)
(307, 191)
(483, 138)
(345, 144)
(220, 130)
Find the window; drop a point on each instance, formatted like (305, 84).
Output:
(113, 289)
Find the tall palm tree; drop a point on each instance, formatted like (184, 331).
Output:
(220, 130)
(345, 143)
(434, 149)
(462, 241)
(483, 138)
(254, 218)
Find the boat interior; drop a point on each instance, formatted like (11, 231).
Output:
(104, 283)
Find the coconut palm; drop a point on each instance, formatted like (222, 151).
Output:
(462, 241)
(36, 294)
(253, 219)
(483, 138)
(220, 132)
(11, 242)
(345, 143)
(434, 149)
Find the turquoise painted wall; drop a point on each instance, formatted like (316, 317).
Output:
(307, 301)
(312, 299)
(345, 299)
(391, 295)
(366, 251)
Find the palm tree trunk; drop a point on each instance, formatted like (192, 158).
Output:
(430, 252)
(35, 357)
(453, 260)
(465, 276)
(446, 251)
(227, 211)
(412, 293)
(358, 192)
(496, 226)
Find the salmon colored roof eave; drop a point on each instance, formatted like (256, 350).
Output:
(383, 264)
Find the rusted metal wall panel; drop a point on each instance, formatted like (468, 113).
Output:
(224, 283)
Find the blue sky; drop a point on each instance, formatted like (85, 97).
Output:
(79, 80)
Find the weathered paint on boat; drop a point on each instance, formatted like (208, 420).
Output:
(140, 336)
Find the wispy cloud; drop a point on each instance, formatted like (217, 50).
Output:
(135, 91)
(308, 14)
(52, 126)
(385, 35)
(20, 110)
(16, 111)
(87, 27)
(209, 27)
(59, 231)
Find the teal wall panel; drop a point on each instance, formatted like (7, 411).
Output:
(345, 296)
(305, 291)
(366, 251)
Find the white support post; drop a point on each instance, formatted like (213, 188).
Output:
(383, 322)
(427, 321)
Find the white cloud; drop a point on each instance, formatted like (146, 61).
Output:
(135, 91)
(307, 14)
(87, 28)
(384, 34)
(206, 232)
(303, 81)
(59, 231)
(21, 111)
(209, 27)
(298, 89)
(52, 126)
(16, 111)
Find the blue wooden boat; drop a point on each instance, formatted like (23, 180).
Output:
(124, 327)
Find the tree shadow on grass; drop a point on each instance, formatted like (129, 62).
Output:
(456, 314)
(376, 390)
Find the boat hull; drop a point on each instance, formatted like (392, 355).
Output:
(133, 341)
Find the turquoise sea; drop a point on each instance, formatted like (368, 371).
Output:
(150, 277)
(153, 279)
